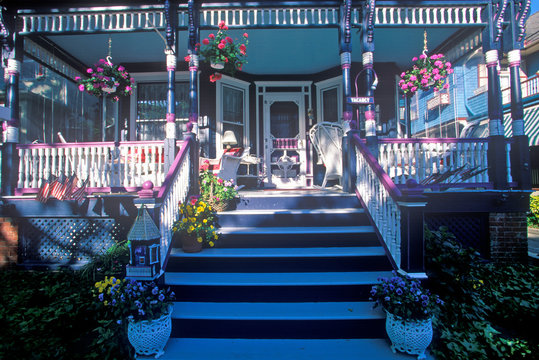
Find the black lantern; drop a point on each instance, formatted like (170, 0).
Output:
(144, 247)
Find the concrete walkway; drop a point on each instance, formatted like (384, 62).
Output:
(533, 245)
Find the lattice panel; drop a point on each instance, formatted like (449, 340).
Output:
(470, 229)
(65, 240)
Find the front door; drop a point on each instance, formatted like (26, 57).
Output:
(284, 140)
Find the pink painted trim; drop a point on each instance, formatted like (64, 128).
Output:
(91, 144)
(370, 115)
(432, 140)
(390, 186)
(91, 190)
(193, 68)
(174, 168)
(514, 63)
(346, 66)
(171, 117)
(171, 68)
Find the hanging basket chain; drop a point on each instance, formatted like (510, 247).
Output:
(425, 49)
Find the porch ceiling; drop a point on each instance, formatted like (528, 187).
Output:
(271, 51)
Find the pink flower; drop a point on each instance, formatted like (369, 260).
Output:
(89, 70)
(229, 40)
(438, 63)
(437, 77)
(450, 71)
(446, 86)
(214, 78)
(211, 36)
(245, 35)
(422, 56)
(414, 89)
(403, 75)
(99, 69)
(422, 71)
(401, 82)
(222, 25)
(243, 49)
(413, 78)
(187, 58)
(220, 181)
(424, 82)
(77, 78)
(221, 46)
(414, 58)
(121, 68)
(448, 64)
(206, 41)
(128, 88)
(435, 71)
(81, 87)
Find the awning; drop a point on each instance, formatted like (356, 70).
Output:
(531, 124)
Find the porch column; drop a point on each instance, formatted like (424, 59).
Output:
(170, 51)
(367, 43)
(193, 48)
(513, 42)
(11, 60)
(348, 168)
(496, 154)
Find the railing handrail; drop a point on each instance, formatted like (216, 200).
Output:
(389, 185)
(167, 184)
(86, 144)
(430, 140)
(530, 91)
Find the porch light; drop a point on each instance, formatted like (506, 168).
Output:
(229, 139)
(144, 247)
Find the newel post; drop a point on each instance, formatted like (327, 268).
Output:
(171, 49)
(412, 206)
(194, 152)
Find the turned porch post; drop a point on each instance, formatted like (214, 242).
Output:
(493, 17)
(171, 56)
(348, 166)
(193, 48)
(12, 54)
(370, 81)
(513, 41)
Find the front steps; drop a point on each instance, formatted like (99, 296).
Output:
(290, 279)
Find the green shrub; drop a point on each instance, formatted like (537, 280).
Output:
(533, 214)
(111, 263)
(487, 306)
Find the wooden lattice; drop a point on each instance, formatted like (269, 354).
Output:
(65, 240)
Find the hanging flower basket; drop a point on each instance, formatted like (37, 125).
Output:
(427, 72)
(107, 79)
(223, 52)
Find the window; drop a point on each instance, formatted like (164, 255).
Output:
(329, 94)
(232, 111)
(149, 106)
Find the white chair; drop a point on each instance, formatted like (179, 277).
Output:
(327, 141)
(230, 164)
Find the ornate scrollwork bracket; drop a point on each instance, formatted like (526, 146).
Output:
(367, 29)
(7, 34)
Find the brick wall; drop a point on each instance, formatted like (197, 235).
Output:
(9, 241)
(508, 237)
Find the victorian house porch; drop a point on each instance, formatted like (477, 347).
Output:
(293, 250)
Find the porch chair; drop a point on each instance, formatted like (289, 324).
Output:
(327, 141)
(230, 162)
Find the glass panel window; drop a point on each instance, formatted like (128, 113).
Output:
(329, 100)
(151, 109)
(330, 104)
(51, 103)
(233, 117)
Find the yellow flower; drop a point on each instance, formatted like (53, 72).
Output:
(199, 239)
(184, 220)
(200, 209)
(215, 236)
(205, 221)
(211, 243)
(191, 228)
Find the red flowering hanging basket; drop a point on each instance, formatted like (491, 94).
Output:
(107, 78)
(427, 72)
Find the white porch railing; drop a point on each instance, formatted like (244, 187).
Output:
(530, 87)
(417, 159)
(105, 165)
(175, 189)
(379, 195)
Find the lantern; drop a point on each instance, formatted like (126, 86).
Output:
(144, 247)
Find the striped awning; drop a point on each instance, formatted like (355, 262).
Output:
(531, 124)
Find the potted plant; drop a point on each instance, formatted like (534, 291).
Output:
(223, 52)
(221, 194)
(107, 78)
(427, 72)
(145, 308)
(409, 308)
(197, 225)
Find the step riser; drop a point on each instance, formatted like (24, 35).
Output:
(283, 219)
(311, 264)
(272, 293)
(298, 202)
(234, 240)
(275, 329)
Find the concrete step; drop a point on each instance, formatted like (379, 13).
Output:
(277, 286)
(296, 199)
(280, 349)
(278, 320)
(284, 259)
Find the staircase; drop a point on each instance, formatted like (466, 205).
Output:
(290, 279)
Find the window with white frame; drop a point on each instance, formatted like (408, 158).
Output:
(329, 99)
(232, 111)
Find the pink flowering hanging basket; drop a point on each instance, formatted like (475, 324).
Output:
(427, 72)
